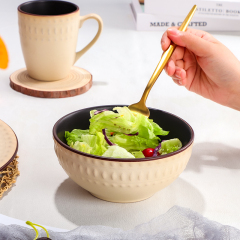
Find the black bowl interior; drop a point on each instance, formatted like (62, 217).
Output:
(48, 8)
(80, 120)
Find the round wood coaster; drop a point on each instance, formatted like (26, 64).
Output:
(77, 82)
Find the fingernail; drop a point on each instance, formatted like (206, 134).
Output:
(173, 31)
(178, 73)
(171, 63)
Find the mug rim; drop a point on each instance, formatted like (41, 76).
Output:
(27, 13)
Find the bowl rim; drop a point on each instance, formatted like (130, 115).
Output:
(121, 159)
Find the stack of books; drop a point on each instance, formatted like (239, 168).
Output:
(157, 15)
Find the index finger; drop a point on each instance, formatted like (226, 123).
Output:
(165, 41)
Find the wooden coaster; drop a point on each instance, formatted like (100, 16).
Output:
(77, 82)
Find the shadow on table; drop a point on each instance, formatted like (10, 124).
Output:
(81, 208)
(99, 83)
(215, 155)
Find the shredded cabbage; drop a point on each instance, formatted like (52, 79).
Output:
(130, 133)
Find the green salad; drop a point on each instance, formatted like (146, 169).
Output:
(121, 134)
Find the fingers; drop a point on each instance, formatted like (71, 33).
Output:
(179, 76)
(180, 63)
(197, 43)
(195, 40)
(190, 45)
(170, 68)
(178, 57)
(165, 41)
(177, 73)
(178, 53)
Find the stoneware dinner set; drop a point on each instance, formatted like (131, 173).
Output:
(49, 34)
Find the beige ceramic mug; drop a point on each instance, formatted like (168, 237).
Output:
(48, 32)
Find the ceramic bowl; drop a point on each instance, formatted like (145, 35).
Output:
(123, 180)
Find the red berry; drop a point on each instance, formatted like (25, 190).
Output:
(148, 152)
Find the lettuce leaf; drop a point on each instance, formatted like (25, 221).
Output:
(125, 121)
(170, 145)
(82, 146)
(100, 146)
(115, 151)
(75, 135)
(93, 144)
(117, 125)
(133, 143)
(138, 154)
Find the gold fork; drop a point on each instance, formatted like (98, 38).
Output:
(140, 107)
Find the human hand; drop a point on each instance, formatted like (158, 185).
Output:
(203, 65)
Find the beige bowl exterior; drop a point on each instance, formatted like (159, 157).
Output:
(119, 181)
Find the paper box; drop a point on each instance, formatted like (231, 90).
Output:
(160, 22)
(209, 9)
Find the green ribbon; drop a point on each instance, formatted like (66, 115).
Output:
(32, 225)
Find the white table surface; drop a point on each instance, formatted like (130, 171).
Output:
(121, 63)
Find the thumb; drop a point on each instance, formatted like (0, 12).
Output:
(199, 46)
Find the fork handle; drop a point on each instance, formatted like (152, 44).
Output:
(165, 57)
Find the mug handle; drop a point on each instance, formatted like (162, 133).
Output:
(100, 26)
